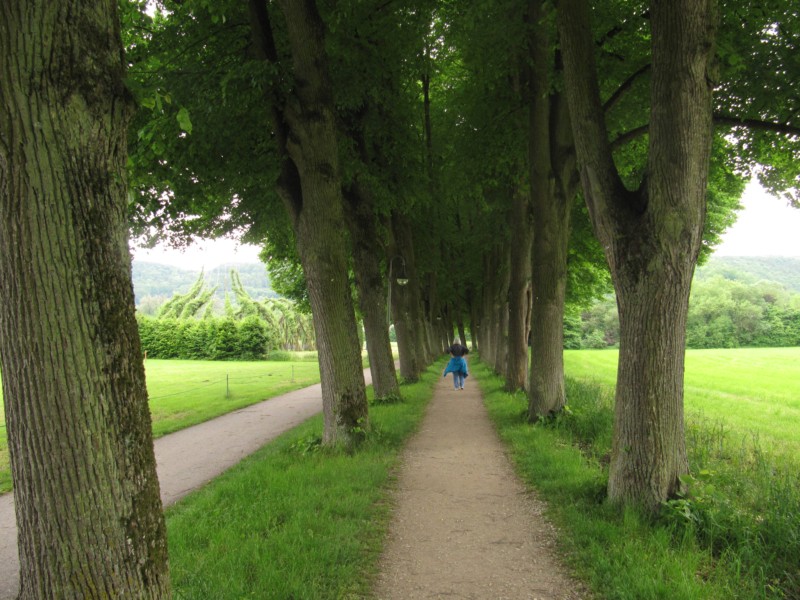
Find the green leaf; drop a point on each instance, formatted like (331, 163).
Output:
(184, 121)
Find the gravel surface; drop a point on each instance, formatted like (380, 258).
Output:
(464, 525)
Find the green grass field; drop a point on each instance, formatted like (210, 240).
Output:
(187, 392)
(733, 533)
(752, 391)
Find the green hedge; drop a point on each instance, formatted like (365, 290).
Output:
(213, 338)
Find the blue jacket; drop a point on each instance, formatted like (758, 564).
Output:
(457, 364)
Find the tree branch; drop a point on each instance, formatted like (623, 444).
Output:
(719, 119)
(624, 87)
(757, 124)
(264, 44)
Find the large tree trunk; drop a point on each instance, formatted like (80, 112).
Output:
(319, 225)
(553, 186)
(371, 286)
(501, 311)
(651, 237)
(87, 498)
(519, 283)
(489, 315)
(407, 306)
(551, 237)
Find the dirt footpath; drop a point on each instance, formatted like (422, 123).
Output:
(464, 525)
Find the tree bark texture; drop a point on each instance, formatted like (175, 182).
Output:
(319, 225)
(489, 311)
(651, 237)
(552, 169)
(371, 286)
(501, 312)
(89, 516)
(407, 306)
(519, 284)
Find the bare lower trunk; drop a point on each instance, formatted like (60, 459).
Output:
(649, 454)
(501, 303)
(407, 312)
(462, 333)
(87, 498)
(410, 367)
(490, 310)
(551, 237)
(317, 216)
(519, 283)
(371, 285)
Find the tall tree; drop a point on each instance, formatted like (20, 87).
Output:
(652, 236)
(88, 509)
(311, 189)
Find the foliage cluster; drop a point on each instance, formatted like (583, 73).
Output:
(733, 534)
(295, 520)
(723, 313)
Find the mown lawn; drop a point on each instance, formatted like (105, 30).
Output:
(187, 392)
(754, 392)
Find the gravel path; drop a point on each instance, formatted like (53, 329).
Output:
(464, 526)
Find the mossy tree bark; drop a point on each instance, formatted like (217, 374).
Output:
(89, 516)
(651, 236)
(554, 186)
(310, 185)
(372, 290)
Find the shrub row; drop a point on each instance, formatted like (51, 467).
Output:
(211, 338)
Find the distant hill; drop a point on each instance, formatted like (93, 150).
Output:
(156, 280)
(751, 269)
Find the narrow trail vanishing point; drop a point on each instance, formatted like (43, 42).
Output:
(464, 526)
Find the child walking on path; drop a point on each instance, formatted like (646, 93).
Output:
(458, 364)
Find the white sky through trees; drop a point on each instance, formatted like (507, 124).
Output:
(766, 226)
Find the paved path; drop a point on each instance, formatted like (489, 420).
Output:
(464, 526)
(190, 458)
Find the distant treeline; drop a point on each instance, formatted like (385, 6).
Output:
(752, 269)
(723, 313)
(186, 326)
(153, 283)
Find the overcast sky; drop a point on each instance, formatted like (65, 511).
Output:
(765, 227)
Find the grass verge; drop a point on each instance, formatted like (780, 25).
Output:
(735, 536)
(295, 520)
